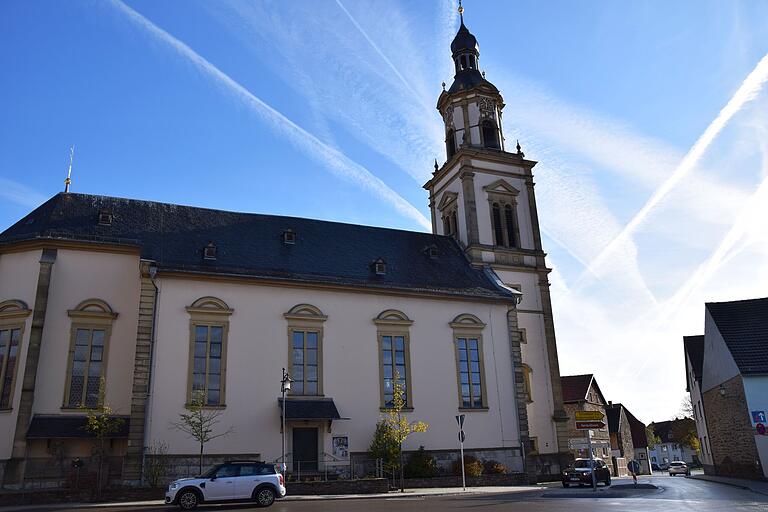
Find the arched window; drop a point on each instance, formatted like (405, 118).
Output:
(450, 143)
(509, 220)
(498, 232)
(490, 135)
(305, 339)
(209, 331)
(13, 319)
(393, 334)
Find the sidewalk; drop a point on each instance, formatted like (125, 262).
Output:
(752, 485)
(392, 495)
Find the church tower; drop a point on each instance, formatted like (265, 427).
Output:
(483, 195)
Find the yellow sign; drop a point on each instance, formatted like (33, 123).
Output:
(589, 415)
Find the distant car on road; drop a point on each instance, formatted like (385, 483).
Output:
(581, 473)
(231, 481)
(679, 467)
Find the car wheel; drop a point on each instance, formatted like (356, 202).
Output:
(188, 500)
(265, 496)
(566, 485)
(608, 482)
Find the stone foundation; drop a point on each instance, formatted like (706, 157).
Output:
(364, 486)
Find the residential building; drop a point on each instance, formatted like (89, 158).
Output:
(581, 393)
(694, 367)
(672, 446)
(156, 304)
(734, 388)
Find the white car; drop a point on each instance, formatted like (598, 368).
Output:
(678, 467)
(231, 481)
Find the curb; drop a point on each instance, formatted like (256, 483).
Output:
(731, 484)
(326, 497)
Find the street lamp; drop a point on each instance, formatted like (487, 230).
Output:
(285, 385)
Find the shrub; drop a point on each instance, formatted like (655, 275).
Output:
(472, 466)
(421, 465)
(494, 467)
(383, 446)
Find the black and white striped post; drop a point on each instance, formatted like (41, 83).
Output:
(462, 437)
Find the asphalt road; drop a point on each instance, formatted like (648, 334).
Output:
(673, 494)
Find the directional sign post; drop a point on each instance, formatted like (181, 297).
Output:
(589, 425)
(462, 437)
(589, 416)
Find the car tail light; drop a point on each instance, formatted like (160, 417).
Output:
(282, 479)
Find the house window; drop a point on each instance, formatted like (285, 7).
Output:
(490, 134)
(209, 329)
(105, 218)
(87, 362)
(527, 383)
(10, 339)
(394, 356)
(305, 335)
(380, 266)
(470, 370)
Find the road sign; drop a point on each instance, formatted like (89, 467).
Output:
(582, 443)
(462, 437)
(633, 466)
(759, 417)
(760, 428)
(589, 415)
(460, 420)
(586, 425)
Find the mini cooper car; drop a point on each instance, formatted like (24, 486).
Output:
(231, 481)
(679, 467)
(580, 473)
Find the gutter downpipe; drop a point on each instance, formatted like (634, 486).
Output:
(151, 382)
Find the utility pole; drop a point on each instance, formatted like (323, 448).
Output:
(591, 459)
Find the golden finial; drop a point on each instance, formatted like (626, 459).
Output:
(443, 85)
(68, 181)
(461, 12)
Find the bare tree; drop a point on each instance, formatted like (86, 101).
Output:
(199, 423)
(686, 407)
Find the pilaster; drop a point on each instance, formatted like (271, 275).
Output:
(521, 397)
(142, 374)
(470, 208)
(15, 467)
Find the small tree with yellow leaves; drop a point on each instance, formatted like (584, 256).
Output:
(397, 423)
(101, 424)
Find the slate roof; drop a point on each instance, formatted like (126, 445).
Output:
(59, 426)
(744, 327)
(251, 245)
(694, 349)
(576, 387)
(321, 409)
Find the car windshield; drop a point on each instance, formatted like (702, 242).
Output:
(211, 472)
(580, 464)
(677, 464)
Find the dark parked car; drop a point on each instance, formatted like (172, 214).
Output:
(655, 467)
(580, 473)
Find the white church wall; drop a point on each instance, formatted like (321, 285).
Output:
(258, 348)
(18, 281)
(77, 276)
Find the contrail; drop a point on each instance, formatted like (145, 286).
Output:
(754, 210)
(381, 54)
(339, 164)
(748, 91)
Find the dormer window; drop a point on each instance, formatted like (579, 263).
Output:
(105, 218)
(289, 237)
(209, 251)
(380, 266)
(431, 251)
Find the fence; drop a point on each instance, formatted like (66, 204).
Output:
(328, 468)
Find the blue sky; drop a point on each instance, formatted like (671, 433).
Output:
(326, 109)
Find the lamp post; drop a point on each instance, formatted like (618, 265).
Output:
(285, 385)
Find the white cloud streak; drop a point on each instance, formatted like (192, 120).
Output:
(748, 91)
(333, 159)
(20, 194)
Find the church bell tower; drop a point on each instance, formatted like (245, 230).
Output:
(483, 195)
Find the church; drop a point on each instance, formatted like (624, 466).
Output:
(163, 303)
